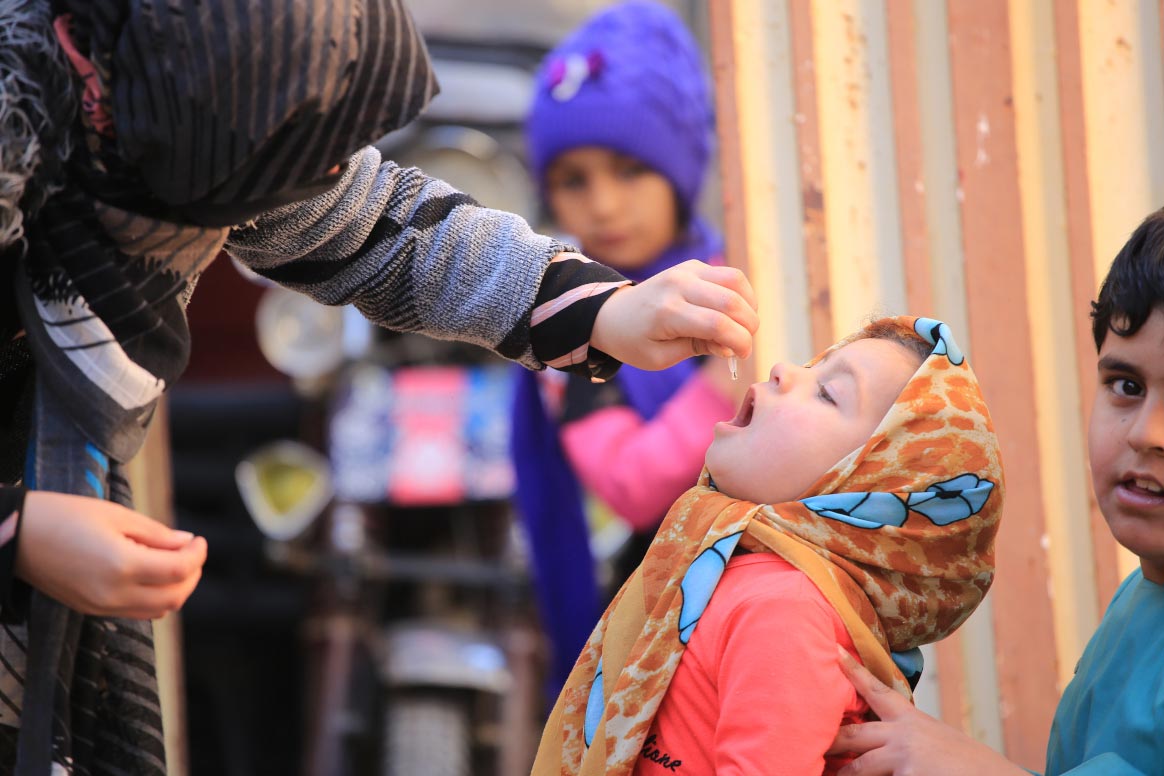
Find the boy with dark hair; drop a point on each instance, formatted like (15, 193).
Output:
(1108, 721)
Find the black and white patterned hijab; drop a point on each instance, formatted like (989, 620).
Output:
(227, 109)
(191, 117)
(194, 117)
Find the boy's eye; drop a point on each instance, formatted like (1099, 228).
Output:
(1122, 386)
(824, 394)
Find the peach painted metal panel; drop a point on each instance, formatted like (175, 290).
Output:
(762, 213)
(1082, 265)
(1061, 444)
(908, 144)
(857, 161)
(807, 119)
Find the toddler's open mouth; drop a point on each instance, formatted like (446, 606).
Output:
(744, 416)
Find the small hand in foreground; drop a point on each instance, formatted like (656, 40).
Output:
(690, 309)
(100, 558)
(908, 742)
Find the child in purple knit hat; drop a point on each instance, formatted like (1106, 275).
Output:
(619, 136)
(629, 81)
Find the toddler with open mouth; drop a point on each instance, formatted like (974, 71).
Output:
(852, 502)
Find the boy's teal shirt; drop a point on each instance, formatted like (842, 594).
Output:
(1111, 718)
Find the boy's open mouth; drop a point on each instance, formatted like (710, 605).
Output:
(1144, 485)
(744, 416)
(1140, 489)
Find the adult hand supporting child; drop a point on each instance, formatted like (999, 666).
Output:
(907, 741)
(99, 558)
(690, 309)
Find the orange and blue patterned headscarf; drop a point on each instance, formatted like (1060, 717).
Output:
(898, 536)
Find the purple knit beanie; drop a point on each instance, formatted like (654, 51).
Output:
(629, 79)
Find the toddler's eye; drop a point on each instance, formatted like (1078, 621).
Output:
(824, 394)
(1122, 386)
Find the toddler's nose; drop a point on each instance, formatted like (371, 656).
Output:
(786, 376)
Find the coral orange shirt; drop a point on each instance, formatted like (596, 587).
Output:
(759, 689)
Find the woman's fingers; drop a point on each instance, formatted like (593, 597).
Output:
(149, 602)
(858, 738)
(690, 309)
(723, 291)
(727, 317)
(149, 566)
(705, 331)
(886, 703)
(728, 277)
(149, 532)
(876, 763)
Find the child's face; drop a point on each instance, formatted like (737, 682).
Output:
(1126, 441)
(622, 212)
(795, 427)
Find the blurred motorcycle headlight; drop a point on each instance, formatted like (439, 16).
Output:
(285, 487)
(298, 336)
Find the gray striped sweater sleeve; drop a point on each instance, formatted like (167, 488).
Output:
(411, 252)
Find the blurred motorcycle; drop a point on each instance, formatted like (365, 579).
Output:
(422, 654)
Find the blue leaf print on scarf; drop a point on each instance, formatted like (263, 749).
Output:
(700, 580)
(593, 706)
(939, 335)
(864, 510)
(957, 499)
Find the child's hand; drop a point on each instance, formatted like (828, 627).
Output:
(906, 740)
(689, 310)
(100, 558)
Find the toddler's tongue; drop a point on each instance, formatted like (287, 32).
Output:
(744, 415)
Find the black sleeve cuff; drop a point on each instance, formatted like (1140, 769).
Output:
(562, 339)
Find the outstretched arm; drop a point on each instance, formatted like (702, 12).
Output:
(414, 254)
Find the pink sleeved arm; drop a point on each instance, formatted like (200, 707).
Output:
(782, 693)
(637, 467)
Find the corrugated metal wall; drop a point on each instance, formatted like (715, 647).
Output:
(981, 162)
